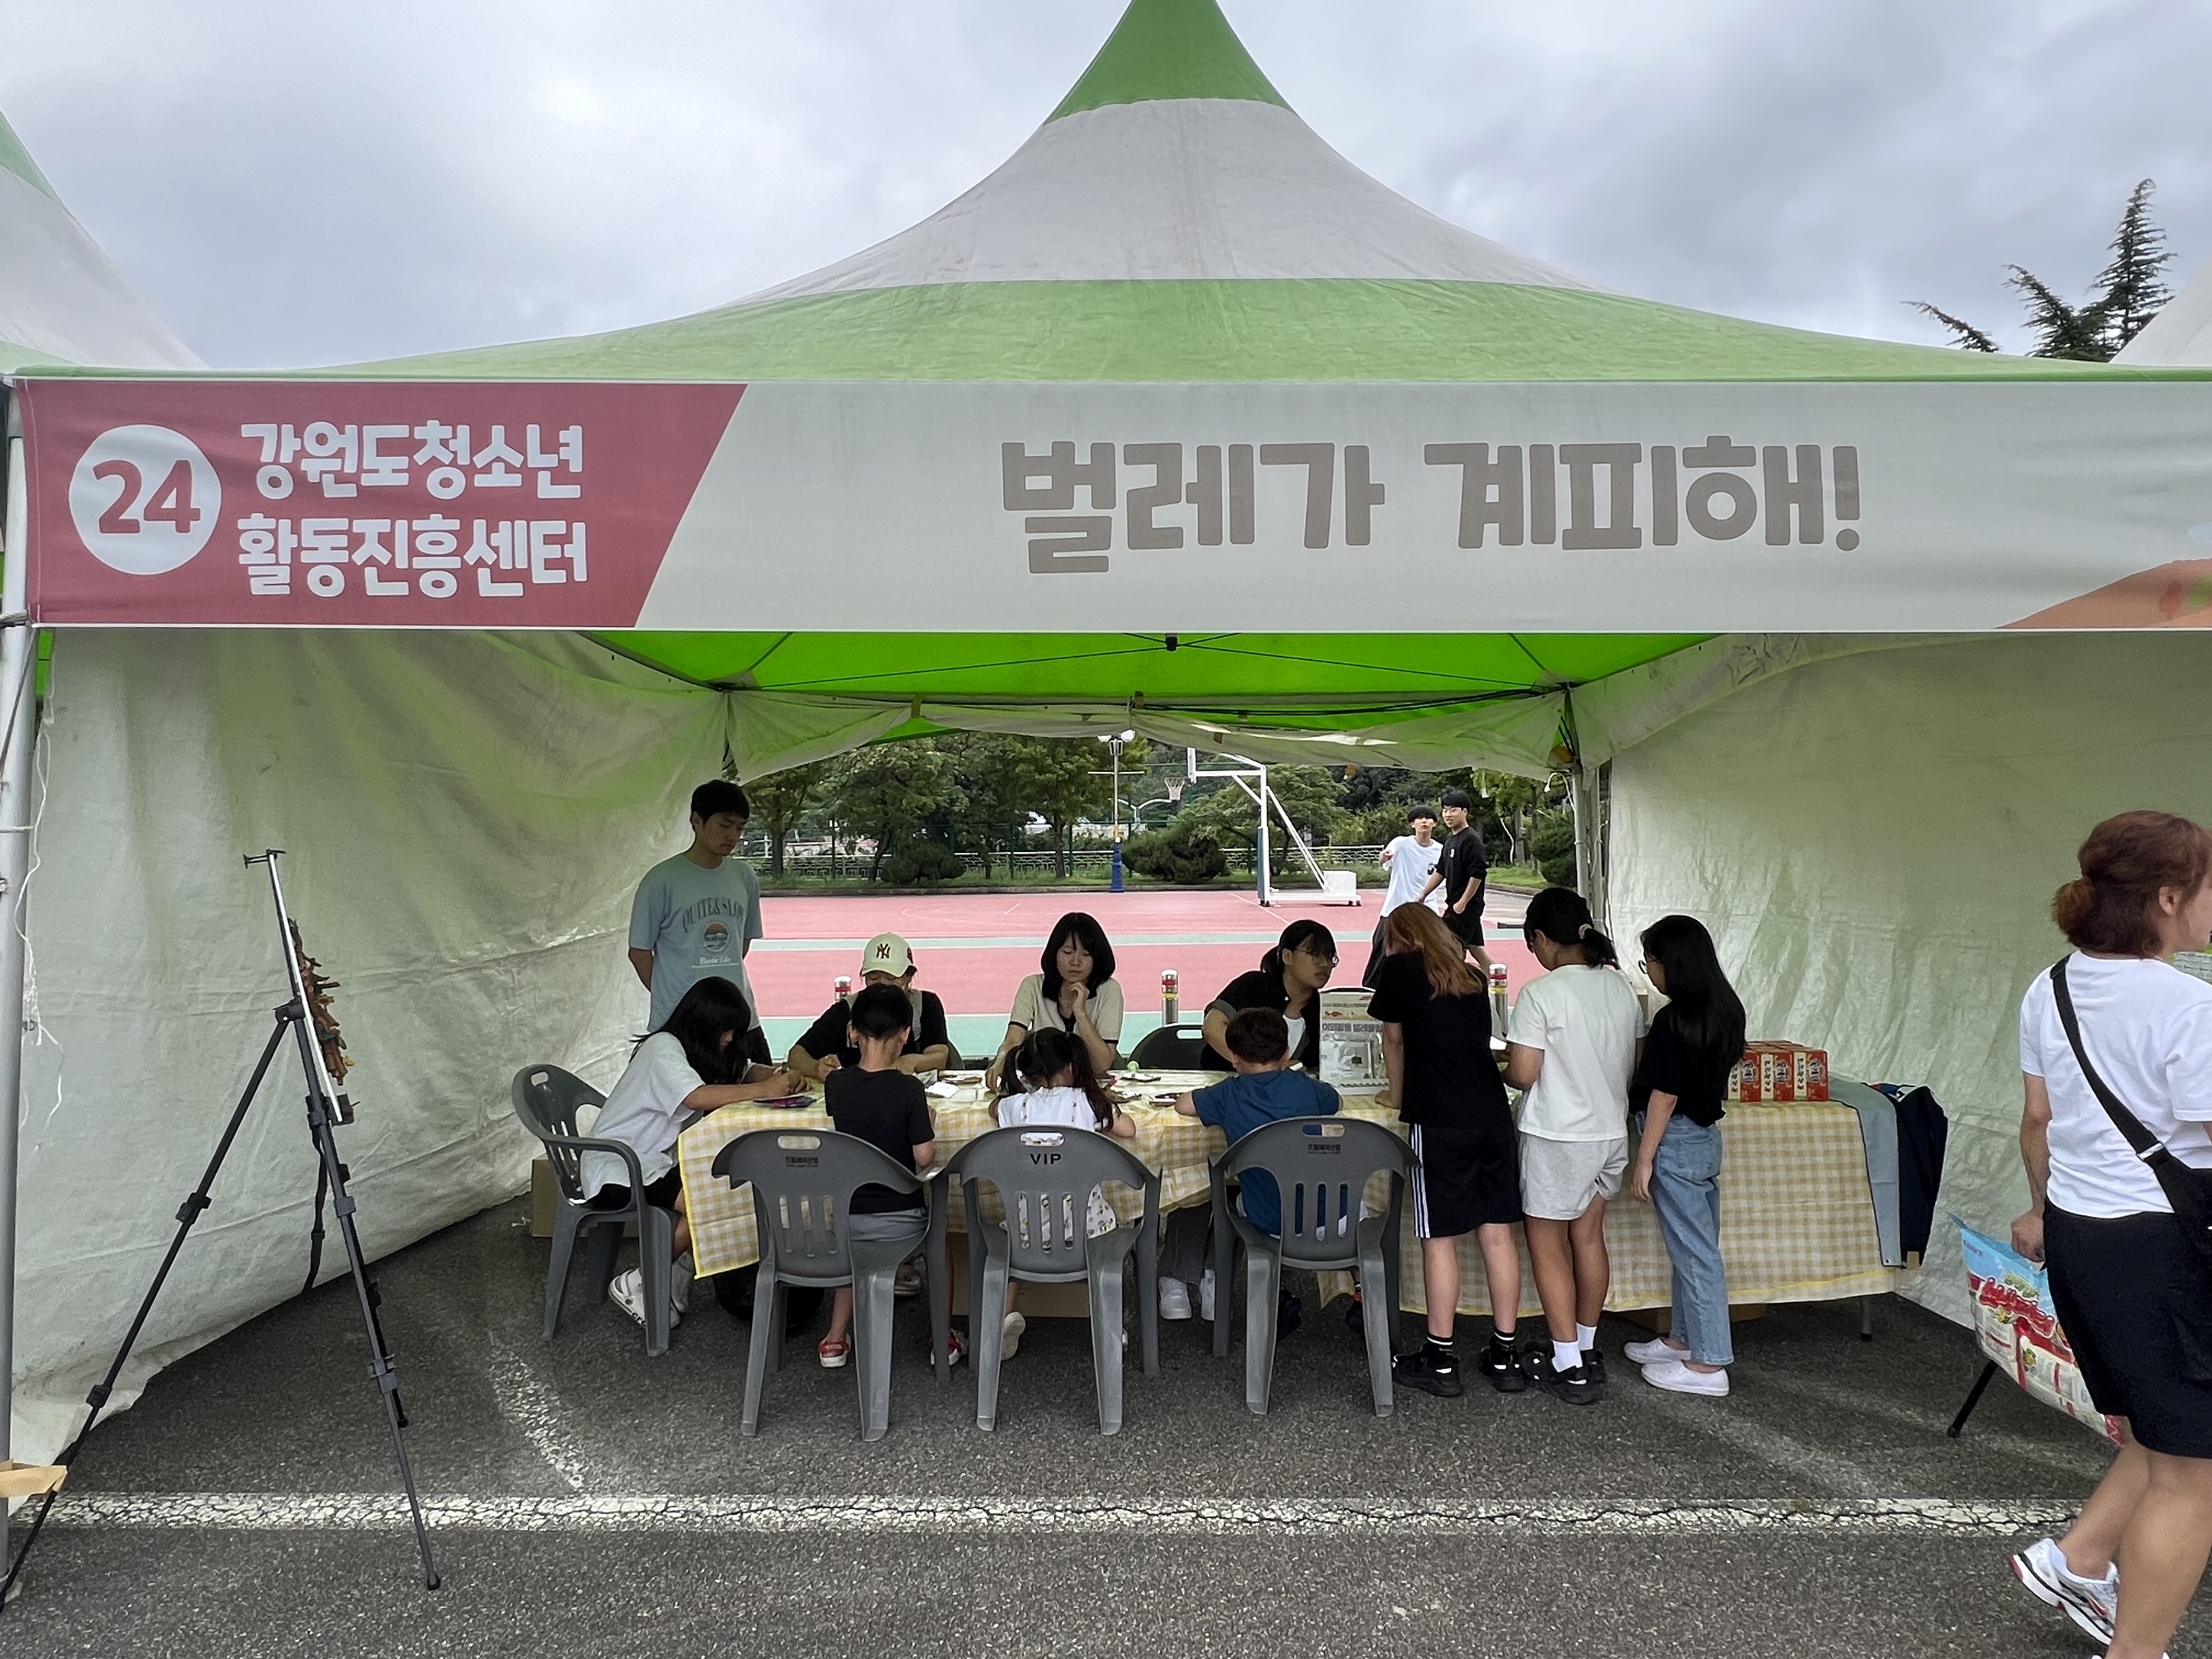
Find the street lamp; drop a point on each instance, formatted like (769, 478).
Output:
(1115, 742)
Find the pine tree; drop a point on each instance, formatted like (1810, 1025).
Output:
(2128, 292)
(2134, 283)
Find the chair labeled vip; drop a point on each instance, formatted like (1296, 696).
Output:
(803, 1182)
(547, 1100)
(1044, 1178)
(1321, 1166)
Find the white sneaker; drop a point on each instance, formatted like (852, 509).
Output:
(1656, 1351)
(627, 1291)
(680, 1275)
(1010, 1335)
(1205, 1296)
(1174, 1299)
(906, 1281)
(2091, 1603)
(1677, 1378)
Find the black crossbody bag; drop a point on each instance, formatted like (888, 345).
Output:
(2187, 1188)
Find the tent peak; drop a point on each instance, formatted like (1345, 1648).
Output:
(17, 160)
(1163, 49)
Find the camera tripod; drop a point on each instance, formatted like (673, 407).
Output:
(326, 1109)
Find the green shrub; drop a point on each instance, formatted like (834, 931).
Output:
(919, 861)
(1553, 846)
(1179, 853)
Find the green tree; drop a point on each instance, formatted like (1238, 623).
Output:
(1308, 793)
(1057, 779)
(991, 817)
(2130, 291)
(781, 799)
(887, 792)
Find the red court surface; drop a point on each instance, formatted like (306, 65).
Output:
(973, 949)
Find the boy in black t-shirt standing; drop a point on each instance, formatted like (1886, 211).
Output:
(1463, 871)
(876, 1102)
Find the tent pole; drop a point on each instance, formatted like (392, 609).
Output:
(18, 718)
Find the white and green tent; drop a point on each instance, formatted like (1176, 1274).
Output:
(1177, 421)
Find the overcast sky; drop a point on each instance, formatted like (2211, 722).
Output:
(295, 184)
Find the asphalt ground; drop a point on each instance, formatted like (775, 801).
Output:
(588, 1499)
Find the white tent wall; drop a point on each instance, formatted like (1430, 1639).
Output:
(466, 817)
(1874, 841)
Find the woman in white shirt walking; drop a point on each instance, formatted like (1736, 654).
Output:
(1571, 1042)
(2129, 1284)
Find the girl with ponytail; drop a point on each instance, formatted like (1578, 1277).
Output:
(1572, 1043)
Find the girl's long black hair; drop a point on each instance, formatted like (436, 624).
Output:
(709, 1008)
(1707, 1014)
(1043, 1055)
(1563, 916)
(1085, 929)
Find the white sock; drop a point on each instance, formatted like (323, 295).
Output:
(1565, 1356)
(1586, 1335)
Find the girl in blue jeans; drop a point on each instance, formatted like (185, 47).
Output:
(1695, 1040)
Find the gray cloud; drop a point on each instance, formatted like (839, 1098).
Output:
(295, 185)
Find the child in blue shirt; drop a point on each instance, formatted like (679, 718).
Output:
(1264, 1089)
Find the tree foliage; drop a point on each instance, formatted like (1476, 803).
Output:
(781, 799)
(1308, 794)
(2128, 293)
(888, 791)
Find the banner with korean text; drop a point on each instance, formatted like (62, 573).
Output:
(1391, 508)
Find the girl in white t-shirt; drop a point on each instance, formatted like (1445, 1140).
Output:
(1058, 1087)
(1572, 1043)
(694, 1063)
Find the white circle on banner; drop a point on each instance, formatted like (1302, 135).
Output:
(144, 499)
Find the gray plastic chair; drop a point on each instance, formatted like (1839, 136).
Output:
(547, 1100)
(1171, 1049)
(803, 1182)
(1321, 1166)
(1044, 1177)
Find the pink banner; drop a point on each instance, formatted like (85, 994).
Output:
(358, 504)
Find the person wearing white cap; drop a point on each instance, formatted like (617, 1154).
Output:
(829, 1042)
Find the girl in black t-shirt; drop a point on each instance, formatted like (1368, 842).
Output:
(1290, 979)
(1695, 1040)
(1436, 1047)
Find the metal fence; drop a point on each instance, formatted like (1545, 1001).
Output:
(836, 864)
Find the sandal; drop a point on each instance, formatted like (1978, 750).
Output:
(833, 1351)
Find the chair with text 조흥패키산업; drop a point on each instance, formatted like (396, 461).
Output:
(547, 1100)
(1044, 1178)
(1171, 1049)
(803, 1181)
(1321, 1166)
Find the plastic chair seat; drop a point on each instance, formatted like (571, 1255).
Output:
(803, 1182)
(1321, 1167)
(546, 1101)
(1044, 1177)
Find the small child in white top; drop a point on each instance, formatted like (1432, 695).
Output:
(1061, 1089)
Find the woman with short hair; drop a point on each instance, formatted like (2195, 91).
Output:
(2128, 1280)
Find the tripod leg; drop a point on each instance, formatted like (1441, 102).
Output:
(187, 1213)
(1973, 1399)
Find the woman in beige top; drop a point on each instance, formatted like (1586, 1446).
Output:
(1076, 993)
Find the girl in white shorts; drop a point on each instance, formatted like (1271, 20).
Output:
(1572, 1043)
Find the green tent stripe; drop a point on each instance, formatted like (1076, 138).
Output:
(1295, 678)
(1169, 49)
(1335, 329)
(17, 161)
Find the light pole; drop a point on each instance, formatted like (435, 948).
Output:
(1115, 742)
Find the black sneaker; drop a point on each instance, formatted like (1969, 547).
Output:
(1501, 1365)
(1422, 1370)
(1574, 1385)
(1289, 1314)
(1594, 1363)
(1355, 1317)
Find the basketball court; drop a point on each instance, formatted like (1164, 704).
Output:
(973, 949)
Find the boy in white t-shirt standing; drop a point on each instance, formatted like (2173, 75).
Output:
(1571, 1043)
(1410, 860)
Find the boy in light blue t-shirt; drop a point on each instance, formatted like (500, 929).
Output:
(1264, 1089)
(696, 915)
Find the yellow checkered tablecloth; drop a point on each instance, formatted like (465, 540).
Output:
(1797, 1220)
